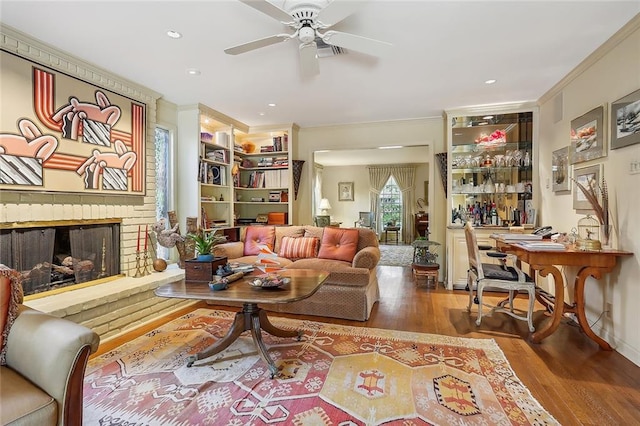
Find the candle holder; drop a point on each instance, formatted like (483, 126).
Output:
(146, 270)
(138, 273)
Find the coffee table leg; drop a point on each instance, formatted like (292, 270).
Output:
(237, 328)
(267, 326)
(262, 349)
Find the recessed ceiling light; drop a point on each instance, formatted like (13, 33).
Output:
(174, 34)
(490, 81)
(193, 71)
(272, 104)
(390, 147)
(261, 113)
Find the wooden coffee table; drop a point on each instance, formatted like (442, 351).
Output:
(304, 282)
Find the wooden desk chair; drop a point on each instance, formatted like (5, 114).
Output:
(501, 276)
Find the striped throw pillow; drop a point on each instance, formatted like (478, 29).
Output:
(298, 248)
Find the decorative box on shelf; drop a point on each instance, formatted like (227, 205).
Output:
(200, 272)
(278, 218)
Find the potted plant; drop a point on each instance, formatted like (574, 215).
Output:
(204, 243)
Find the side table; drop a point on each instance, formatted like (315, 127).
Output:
(388, 229)
(425, 262)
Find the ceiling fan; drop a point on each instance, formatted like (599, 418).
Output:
(308, 19)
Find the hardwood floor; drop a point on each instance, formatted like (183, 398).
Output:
(576, 381)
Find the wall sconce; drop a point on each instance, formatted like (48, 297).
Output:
(324, 206)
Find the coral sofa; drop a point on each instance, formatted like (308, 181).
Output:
(350, 255)
(43, 361)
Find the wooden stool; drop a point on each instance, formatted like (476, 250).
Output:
(427, 270)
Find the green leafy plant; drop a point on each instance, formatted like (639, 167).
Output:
(204, 242)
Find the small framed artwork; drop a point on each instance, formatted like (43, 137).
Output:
(560, 170)
(589, 177)
(345, 191)
(323, 221)
(262, 218)
(625, 121)
(366, 219)
(588, 136)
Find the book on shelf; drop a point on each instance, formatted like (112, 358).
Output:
(219, 155)
(212, 174)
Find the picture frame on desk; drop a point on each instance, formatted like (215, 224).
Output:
(588, 177)
(625, 121)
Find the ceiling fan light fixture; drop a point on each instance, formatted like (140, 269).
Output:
(306, 34)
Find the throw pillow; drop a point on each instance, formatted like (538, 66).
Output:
(339, 244)
(298, 248)
(257, 236)
(10, 298)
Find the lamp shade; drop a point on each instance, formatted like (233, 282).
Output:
(324, 206)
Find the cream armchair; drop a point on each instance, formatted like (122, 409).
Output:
(46, 360)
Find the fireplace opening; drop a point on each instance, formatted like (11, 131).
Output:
(54, 256)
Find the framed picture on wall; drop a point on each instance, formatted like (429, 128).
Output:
(345, 191)
(588, 136)
(625, 121)
(560, 169)
(589, 177)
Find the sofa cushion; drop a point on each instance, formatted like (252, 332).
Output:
(23, 402)
(298, 248)
(257, 236)
(10, 298)
(339, 244)
(287, 231)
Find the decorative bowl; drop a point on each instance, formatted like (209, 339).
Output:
(269, 281)
(218, 285)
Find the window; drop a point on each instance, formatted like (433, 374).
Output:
(391, 204)
(164, 187)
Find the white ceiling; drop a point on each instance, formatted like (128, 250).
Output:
(442, 53)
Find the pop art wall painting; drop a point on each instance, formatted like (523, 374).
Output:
(61, 134)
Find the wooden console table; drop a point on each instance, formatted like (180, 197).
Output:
(591, 263)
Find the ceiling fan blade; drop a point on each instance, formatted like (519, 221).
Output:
(337, 10)
(357, 43)
(309, 59)
(269, 9)
(256, 44)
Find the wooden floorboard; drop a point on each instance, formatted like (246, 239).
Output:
(576, 381)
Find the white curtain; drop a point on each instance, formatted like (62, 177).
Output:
(405, 178)
(378, 176)
(317, 188)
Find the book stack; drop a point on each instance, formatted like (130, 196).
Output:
(541, 245)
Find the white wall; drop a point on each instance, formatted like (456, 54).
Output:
(427, 131)
(346, 212)
(607, 75)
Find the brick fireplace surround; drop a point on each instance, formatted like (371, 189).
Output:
(115, 307)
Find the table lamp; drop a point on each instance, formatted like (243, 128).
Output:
(324, 206)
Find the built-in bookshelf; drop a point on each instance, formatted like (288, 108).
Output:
(240, 174)
(263, 180)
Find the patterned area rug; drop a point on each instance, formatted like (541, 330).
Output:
(337, 375)
(396, 255)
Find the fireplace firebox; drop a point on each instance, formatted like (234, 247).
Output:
(51, 255)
